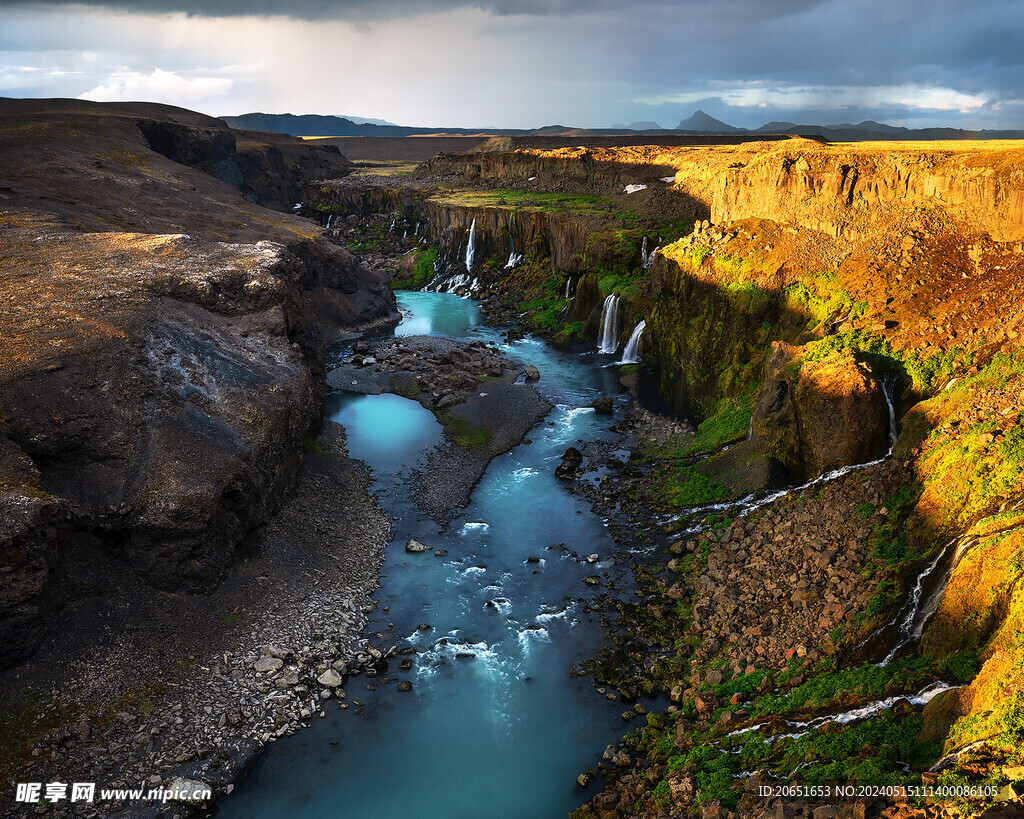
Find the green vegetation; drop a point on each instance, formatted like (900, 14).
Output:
(362, 247)
(890, 535)
(463, 433)
(535, 201)
(311, 445)
(925, 375)
(728, 422)
(712, 774)
(685, 486)
(422, 270)
(822, 299)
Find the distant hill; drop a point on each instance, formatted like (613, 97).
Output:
(304, 125)
(321, 125)
(704, 124)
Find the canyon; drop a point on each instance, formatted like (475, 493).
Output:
(811, 308)
(819, 465)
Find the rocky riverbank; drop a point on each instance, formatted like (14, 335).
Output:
(165, 687)
(484, 401)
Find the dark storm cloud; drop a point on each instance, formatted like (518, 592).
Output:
(581, 62)
(364, 10)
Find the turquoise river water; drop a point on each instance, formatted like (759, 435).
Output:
(494, 726)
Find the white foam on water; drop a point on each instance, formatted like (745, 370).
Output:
(471, 247)
(869, 711)
(549, 614)
(633, 353)
(524, 473)
(474, 527)
(441, 654)
(570, 414)
(502, 604)
(532, 634)
(608, 332)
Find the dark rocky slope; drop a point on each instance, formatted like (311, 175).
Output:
(163, 353)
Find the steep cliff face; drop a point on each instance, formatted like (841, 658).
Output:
(164, 356)
(580, 169)
(853, 191)
(270, 169)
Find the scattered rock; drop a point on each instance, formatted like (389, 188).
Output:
(329, 678)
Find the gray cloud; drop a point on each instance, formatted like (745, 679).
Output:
(532, 62)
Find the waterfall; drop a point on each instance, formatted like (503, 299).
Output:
(635, 347)
(647, 259)
(887, 382)
(608, 335)
(568, 289)
(471, 247)
(514, 258)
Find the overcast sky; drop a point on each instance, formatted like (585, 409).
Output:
(528, 63)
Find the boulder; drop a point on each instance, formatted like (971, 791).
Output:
(189, 790)
(329, 679)
(603, 405)
(532, 372)
(572, 460)
(266, 664)
(414, 546)
(816, 416)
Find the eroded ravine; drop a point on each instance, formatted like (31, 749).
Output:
(494, 723)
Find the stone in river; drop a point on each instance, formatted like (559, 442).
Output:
(603, 405)
(405, 685)
(572, 459)
(532, 372)
(414, 546)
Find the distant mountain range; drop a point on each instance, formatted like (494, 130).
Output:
(309, 125)
(702, 123)
(698, 123)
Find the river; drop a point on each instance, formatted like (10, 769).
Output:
(494, 725)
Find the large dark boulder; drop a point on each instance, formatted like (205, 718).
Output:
(816, 416)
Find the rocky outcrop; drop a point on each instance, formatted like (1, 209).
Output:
(816, 416)
(270, 169)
